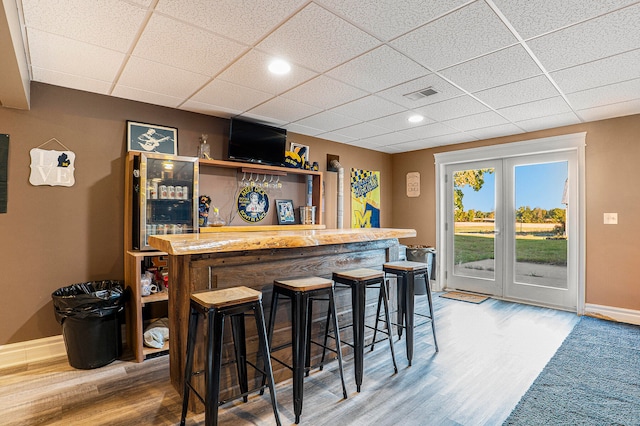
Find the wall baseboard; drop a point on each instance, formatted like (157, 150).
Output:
(628, 316)
(15, 354)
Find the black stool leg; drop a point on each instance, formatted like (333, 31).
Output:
(299, 338)
(213, 366)
(402, 301)
(188, 369)
(264, 345)
(332, 308)
(271, 325)
(385, 299)
(433, 323)
(326, 333)
(375, 328)
(409, 312)
(240, 346)
(358, 294)
(307, 361)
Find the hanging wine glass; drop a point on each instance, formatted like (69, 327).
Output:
(252, 183)
(243, 182)
(278, 183)
(265, 185)
(271, 184)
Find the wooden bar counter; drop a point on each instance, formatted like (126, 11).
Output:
(228, 258)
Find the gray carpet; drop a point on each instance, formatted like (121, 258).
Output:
(593, 379)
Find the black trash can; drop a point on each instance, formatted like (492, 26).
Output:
(88, 313)
(425, 255)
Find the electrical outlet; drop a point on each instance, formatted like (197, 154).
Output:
(611, 218)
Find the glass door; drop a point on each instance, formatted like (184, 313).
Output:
(473, 227)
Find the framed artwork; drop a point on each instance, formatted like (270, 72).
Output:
(152, 138)
(286, 215)
(302, 151)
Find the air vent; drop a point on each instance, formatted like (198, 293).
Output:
(414, 96)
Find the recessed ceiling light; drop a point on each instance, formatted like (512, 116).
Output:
(279, 66)
(415, 118)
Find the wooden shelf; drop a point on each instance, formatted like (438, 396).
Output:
(155, 297)
(257, 228)
(150, 351)
(257, 168)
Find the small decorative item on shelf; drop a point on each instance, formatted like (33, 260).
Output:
(203, 211)
(204, 149)
(315, 166)
(216, 219)
(297, 156)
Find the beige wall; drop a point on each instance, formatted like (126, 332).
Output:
(56, 236)
(612, 251)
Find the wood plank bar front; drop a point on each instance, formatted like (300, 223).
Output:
(255, 259)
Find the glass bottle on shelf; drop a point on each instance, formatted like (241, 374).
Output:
(204, 149)
(216, 219)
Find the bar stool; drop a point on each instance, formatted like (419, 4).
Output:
(216, 305)
(303, 292)
(359, 280)
(407, 272)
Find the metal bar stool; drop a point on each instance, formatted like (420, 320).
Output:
(407, 272)
(303, 292)
(359, 280)
(216, 305)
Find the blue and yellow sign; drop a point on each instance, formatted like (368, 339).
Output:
(365, 199)
(253, 204)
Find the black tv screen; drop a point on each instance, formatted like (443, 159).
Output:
(256, 143)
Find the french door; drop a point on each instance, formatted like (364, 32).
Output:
(511, 228)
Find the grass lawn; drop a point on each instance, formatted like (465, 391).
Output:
(551, 252)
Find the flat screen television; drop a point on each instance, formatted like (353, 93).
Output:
(256, 143)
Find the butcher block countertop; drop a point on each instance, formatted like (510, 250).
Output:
(217, 242)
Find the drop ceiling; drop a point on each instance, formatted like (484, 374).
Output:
(499, 67)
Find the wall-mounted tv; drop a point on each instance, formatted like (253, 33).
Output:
(256, 143)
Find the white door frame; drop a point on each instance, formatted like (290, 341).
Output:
(570, 142)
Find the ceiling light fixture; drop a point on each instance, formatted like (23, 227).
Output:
(415, 118)
(279, 66)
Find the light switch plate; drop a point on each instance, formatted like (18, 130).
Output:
(611, 218)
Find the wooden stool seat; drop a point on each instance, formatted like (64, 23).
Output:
(405, 265)
(359, 280)
(302, 292)
(215, 306)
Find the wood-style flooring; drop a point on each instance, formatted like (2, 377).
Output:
(490, 354)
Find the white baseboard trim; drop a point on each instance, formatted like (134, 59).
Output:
(628, 316)
(15, 354)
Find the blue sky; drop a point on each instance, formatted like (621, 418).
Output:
(537, 185)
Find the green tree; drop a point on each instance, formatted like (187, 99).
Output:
(473, 178)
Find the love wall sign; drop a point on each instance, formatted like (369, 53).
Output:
(50, 167)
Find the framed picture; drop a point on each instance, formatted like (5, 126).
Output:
(302, 151)
(152, 138)
(286, 215)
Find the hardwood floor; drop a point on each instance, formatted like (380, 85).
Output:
(489, 355)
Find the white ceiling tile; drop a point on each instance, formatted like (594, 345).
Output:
(284, 110)
(534, 17)
(328, 121)
(107, 23)
(610, 70)
(372, 72)
(605, 95)
(543, 108)
(251, 71)
(476, 121)
(415, 145)
(297, 39)
(400, 121)
(611, 111)
(387, 19)
(387, 139)
(207, 109)
(139, 95)
(452, 139)
(368, 108)
(445, 91)
(430, 131)
(71, 81)
(55, 53)
(389, 149)
(159, 78)
(231, 96)
(549, 122)
(496, 69)
(362, 130)
(263, 119)
(360, 143)
(324, 92)
(595, 39)
(466, 33)
(496, 131)
(520, 92)
(244, 21)
(337, 137)
(164, 41)
(303, 130)
(452, 108)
